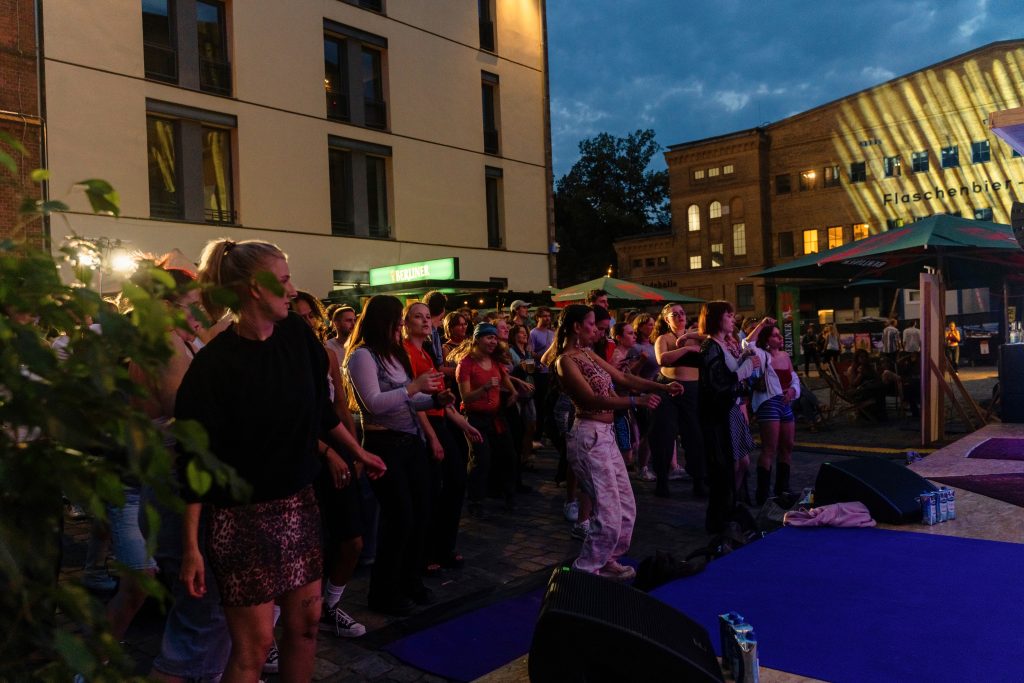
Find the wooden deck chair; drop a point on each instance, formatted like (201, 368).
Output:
(840, 399)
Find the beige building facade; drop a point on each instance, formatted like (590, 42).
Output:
(354, 134)
(873, 161)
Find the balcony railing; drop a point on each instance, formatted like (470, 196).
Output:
(164, 210)
(375, 113)
(219, 216)
(491, 141)
(214, 76)
(161, 62)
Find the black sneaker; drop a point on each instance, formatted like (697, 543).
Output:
(337, 621)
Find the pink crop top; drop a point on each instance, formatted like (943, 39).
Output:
(600, 382)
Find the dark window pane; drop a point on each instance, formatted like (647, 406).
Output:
(218, 198)
(341, 192)
(858, 171)
(164, 188)
(950, 157)
(336, 78)
(493, 197)
(782, 184)
(486, 25)
(831, 176)
(983, 214)
(488, 96)
(214, 69)
(373, 89)
(785, 244)
(158, 45)
(377, 197)
(919, 160)
(893, 167)
(744, 296)
(980, 152)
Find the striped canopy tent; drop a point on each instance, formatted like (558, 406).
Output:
(620, 292)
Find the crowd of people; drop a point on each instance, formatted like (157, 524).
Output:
(365, 434)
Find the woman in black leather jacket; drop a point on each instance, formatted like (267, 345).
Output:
(722, 375)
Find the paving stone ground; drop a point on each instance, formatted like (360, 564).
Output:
(507, 554)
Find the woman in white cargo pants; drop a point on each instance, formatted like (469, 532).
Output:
(592, 451)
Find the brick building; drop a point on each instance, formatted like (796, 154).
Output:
(19, 118)
(875, 160)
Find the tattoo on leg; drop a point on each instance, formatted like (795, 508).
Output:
(310, 601)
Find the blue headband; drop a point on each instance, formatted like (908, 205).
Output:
(484, 329)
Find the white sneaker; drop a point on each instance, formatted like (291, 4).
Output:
(337, 621)
(571, 511)
(617, 572)
(678, 474)
(273, 662)
(646, 474)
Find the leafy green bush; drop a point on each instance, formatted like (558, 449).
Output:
(68, 428)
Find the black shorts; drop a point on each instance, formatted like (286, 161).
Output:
(340, 509)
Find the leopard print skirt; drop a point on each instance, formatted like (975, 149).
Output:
(259, 551)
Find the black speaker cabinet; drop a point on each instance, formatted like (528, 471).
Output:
(1011, 382)
(593, 629)
(889, 490)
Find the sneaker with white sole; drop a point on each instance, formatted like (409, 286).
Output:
(337, 621)
(678, 474)
(616, 572)
(646, 474)
(273, 661)
(581, 530)
(571, 510)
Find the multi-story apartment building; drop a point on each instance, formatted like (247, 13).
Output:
(353, 133)
(873, 161)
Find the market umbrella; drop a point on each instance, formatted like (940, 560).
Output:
(620, 291)
(966, 250)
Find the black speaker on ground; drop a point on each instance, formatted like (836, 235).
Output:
(1011, 382)
(593, 629)
(889, 490)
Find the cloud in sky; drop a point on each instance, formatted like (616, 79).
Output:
(726, 65)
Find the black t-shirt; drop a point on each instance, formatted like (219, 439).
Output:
(264, 404)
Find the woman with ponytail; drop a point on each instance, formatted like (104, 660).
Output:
(260, 390)
(592, 450)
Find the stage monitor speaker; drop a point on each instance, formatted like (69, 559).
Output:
(1011, 382)
(1017, 222)
(889, 490)
(593, 629)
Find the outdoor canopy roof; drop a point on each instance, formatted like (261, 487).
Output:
(620, 291)
(969, 250)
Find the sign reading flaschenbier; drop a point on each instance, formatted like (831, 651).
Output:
(438, 269)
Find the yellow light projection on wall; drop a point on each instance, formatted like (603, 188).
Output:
(927, 111)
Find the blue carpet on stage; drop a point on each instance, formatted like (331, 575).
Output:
(869, 604)
(471, 645)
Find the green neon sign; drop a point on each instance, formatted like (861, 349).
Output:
(438, 269)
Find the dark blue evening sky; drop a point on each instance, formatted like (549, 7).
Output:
(691, 69)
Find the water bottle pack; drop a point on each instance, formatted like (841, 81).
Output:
(938, 506)
(739, 648)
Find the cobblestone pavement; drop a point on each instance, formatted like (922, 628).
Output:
(507, 554)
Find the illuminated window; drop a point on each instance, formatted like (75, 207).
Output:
(894, 223)
(950, 157)
(739, 239)
(808, 180)
(980, 152)
(698, 174)
(695, 263)
(712, 172)
(983, 214)
(727, 169)
(663, 260)
(860, 231)
(810, 241)
(786, 244)
(893, 167)
(782, 185)
(919, 162)
(835, 236)
(717, 255)
(693, 218)
(715, 210)
(831, 176)
(858, 171)
(744, 297)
